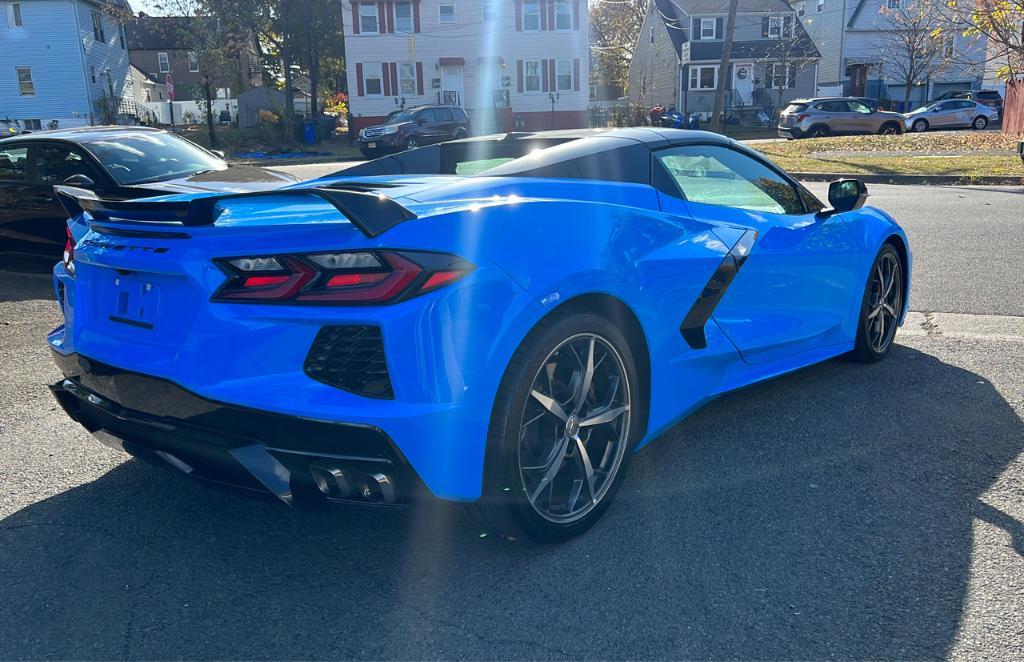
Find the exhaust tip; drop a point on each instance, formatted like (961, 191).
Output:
(331, 481)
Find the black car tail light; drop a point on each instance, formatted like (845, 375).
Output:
(351, 358)
(343, 277)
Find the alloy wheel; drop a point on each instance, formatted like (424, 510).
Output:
(980, 123)
(575, 428)
(884, 302)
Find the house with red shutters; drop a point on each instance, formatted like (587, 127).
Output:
(511, 64)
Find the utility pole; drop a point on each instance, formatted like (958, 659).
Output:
(723, 68)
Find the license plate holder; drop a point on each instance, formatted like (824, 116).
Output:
(135, 302)
(371, 145)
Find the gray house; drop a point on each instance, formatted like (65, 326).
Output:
(677, 58)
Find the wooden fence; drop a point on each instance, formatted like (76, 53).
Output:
(1013, 108)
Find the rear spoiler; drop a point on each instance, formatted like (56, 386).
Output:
(371, 212)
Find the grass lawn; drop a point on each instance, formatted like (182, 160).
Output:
(961, 153)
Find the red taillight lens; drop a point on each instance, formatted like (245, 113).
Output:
(69, 253)
(801, 118)
(346, 277)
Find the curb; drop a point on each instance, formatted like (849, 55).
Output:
(905, 180)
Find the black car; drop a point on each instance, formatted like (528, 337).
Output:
(115, 162)
(414, 127)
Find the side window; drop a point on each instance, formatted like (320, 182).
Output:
(55, 163)
(831, 107)
(14, 164)
(427, 115)
(859, 107)
(443, 114)
(721, 176)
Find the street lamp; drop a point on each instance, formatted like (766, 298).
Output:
(553, 97)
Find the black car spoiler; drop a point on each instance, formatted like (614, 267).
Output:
(371, 212)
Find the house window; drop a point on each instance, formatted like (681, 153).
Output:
(774, 27)
(92, 73)
(799, 9)
(892, 4)
(491, 11)
(563, 75)
(120, 36)
(708, 28)
(531, 16)
(34, 125)
(372, 80)
(821, 6)
(446, 11)
(651, 36)
(780, 76)
(563, 15)
(25, 85)
(97, 28)
(532, 78)
(193, 62)
(407, 78)
(368, 19)
(704, 77)
(403, 17)
(14, 15)
(165, 63)
(149, 94)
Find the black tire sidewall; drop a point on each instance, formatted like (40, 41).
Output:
(504, 504)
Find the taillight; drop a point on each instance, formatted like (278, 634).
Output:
(344, 277)
(801, 118)
(69, 253)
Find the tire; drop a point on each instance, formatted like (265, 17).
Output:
(919, 126)
(890, 129)
(460, 134)
(412, 142)
(533, 468)
(874, 343)
(979, 123)
(818, 131)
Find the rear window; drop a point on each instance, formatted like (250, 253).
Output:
(795, 108)
(990, 94)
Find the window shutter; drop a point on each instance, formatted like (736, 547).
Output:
(355, 24)
(359, 76)
(787, 27)
(415, 15)
(381, 19)
(544, 76)
(575, 14)
(519, 75)
(553, 76)
(419, 78)
(576, 74)
(395, 89)
(764, 27)
(391, 16)
(385, 79)
(542, 9)
(519, 18)
(695, 28)
(791, 79)
(719, 31)
(551, 15)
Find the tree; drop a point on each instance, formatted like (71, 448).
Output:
(791, 52)
(614, 29)
(723, 68)
(911, 51)
(1000, 23)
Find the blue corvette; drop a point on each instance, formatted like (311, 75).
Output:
(500, 321)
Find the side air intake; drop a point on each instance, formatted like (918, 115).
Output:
(351, 358)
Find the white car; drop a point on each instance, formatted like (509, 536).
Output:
(950, 114)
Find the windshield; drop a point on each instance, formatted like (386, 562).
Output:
(149, 156)
(400, 116)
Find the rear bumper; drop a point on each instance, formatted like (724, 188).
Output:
(789, 132)
(299, 461)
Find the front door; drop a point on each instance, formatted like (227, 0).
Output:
(743, 82)
(798, 289)
(451, 85)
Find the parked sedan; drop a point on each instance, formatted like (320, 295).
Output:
(951, 114)
(816, 118)
(115, 162)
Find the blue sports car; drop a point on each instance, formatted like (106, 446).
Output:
(501, 321)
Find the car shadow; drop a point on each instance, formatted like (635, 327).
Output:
(826, 514)
(19, 286)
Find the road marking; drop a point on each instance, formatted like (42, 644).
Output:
(964, 326)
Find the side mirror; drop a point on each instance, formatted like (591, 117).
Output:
(847, 195)
(80, 181)
(218, 152)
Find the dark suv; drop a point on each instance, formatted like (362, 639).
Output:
(990, 98)
(412, 127)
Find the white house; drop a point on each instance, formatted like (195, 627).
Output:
(512, 64)
(63, 61)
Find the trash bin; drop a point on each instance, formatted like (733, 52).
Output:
(309, 134)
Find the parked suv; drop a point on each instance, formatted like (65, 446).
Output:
(412, 127)
(814, 118)
(990, 98)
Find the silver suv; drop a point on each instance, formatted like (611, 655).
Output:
(814, 118)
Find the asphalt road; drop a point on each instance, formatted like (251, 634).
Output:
(846, 511)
